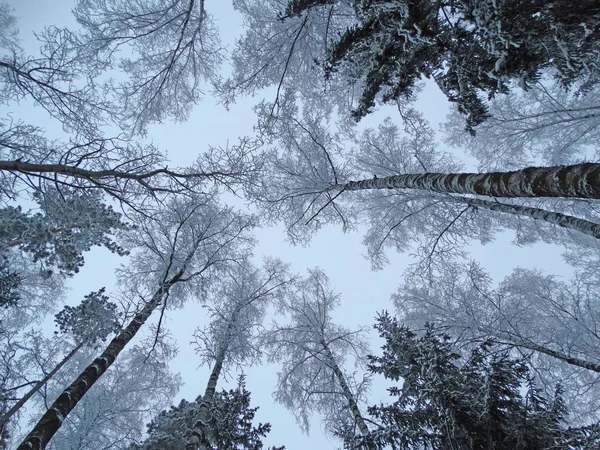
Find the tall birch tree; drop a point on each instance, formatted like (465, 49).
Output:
(313, 351)
(411, 192)
(91, 321)
(179, 253)
(113, 413)
(237, 310)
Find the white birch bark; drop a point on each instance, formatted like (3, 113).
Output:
(51, 421)
(575, 181)
(562, 220)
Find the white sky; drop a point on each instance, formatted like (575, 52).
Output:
(339, 255)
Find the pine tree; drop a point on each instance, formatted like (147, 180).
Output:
(467, 46)
(230, 424)
(474, 401)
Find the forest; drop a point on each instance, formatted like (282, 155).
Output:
(291, 224)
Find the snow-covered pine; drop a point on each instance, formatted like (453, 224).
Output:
(452, 398)
(552, 320)
(69, 222)
(229, 418)
(468, 48)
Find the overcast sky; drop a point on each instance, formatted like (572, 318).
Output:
(340, 255)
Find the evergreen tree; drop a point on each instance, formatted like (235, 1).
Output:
(9, 284)
(467, 46)
(475, 401)
(230, 423)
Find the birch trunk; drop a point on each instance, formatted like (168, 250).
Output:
(358, 418)
(51, 421)
(553, 353)
(37, 387)
(200, 439)
(562, 220)
(576, 181)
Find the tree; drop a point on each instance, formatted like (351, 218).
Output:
(91, 321)
(113, 413)
(308, 183)
(312, 350)
(230, 420)
(237, 311)
(286, 54)
(185, 244)
(9, 284)
(69, 223)
(539, 315)
(171, 48)
(484, 399)
(468, 48)
(130, 172)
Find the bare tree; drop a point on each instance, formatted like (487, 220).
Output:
(237, 310)
(129, 172)
(171, 47)
(308, 182)
(312, 351)
(185, 245)
(544, 123)
(114, 411)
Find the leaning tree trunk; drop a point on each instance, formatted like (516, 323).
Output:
(51, 421)
(200, 436)
(553, 353)
(576, 181)
(358, 418)
(5, 417)
(562, 220)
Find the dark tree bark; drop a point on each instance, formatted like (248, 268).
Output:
(51, 421)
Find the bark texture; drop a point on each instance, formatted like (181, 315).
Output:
(51, 421)
(38, 386)
(576, 181)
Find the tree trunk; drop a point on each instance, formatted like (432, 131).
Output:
(562, 220)
(358, 418)
(553, 353)
(51, 421)
(576, 181)
(200, 439)
(4, 419)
